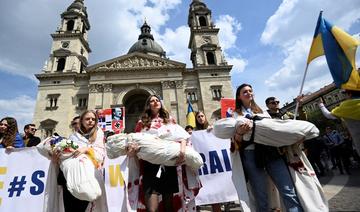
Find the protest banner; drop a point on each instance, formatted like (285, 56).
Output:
(112, 119)
(227, 107)
(23, 174)
(216, 169)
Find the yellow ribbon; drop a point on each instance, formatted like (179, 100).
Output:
(91, 154)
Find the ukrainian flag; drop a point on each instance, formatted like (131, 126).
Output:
(190, 117)
(339, 49)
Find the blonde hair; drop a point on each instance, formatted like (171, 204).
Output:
(93, 132)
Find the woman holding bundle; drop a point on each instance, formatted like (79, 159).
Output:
(159, 180)
(261, 160)
(90, 139)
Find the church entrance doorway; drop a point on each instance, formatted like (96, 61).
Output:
(134, 102)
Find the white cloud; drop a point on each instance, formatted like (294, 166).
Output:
(21, 108)
(114, 28)
(291, 29)
(229, 28)
(239, 64)
(175, 43)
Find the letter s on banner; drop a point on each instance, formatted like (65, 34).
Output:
(35, 178)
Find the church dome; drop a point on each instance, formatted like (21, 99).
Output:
(146, 43)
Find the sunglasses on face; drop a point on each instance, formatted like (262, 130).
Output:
(2, 124)
(33, 129)
(274, 102)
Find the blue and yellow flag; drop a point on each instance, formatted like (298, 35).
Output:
(190, 117)
(339, 49)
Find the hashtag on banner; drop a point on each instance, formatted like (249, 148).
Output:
(17, 186)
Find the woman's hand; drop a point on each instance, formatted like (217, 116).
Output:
(9, 149)
(210, 127)
(243, 129)
(79, 151)
(55, 157)
(181, 156)
(240, 131)
(132, 149)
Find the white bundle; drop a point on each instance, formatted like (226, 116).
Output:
(78, 172)
(154, 149)
(272, 132)
(80, 178)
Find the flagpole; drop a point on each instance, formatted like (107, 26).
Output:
(301, 90)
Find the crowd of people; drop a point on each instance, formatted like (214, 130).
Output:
(160, 186)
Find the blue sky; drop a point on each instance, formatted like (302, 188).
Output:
(266, 41)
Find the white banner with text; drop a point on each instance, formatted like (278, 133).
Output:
(215, 175)
(23, 174)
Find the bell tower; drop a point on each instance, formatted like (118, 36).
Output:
(63, 83)
(70, 48)
(204, 40)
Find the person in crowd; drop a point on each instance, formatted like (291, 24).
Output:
(274, 110)
(334, 141)
(201, 121)
(75, 124)
(350, 149)
(349, 112)
(189, 129)
(314, 148)
(90, 139)
(273, 105)
(261, 160)
(203, 124)
(29, 135)
(9, 134)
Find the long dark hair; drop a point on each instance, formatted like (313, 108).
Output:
(201, 126)
(147, 115)
(10, 135)
(239, 104)
(93, 132)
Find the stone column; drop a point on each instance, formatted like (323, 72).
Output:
(181, 102)
(107, 97)
(95, 96)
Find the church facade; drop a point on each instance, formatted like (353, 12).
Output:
(68, 85)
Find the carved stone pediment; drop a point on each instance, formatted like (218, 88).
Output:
(62, 52)
(135, 61)
(48, 123)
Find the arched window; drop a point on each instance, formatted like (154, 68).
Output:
(202, 21)
(61, 64)
(82, 68)
(216, 92)
(210, 58)
(83, 28)
(191, 96)
(70, 25)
